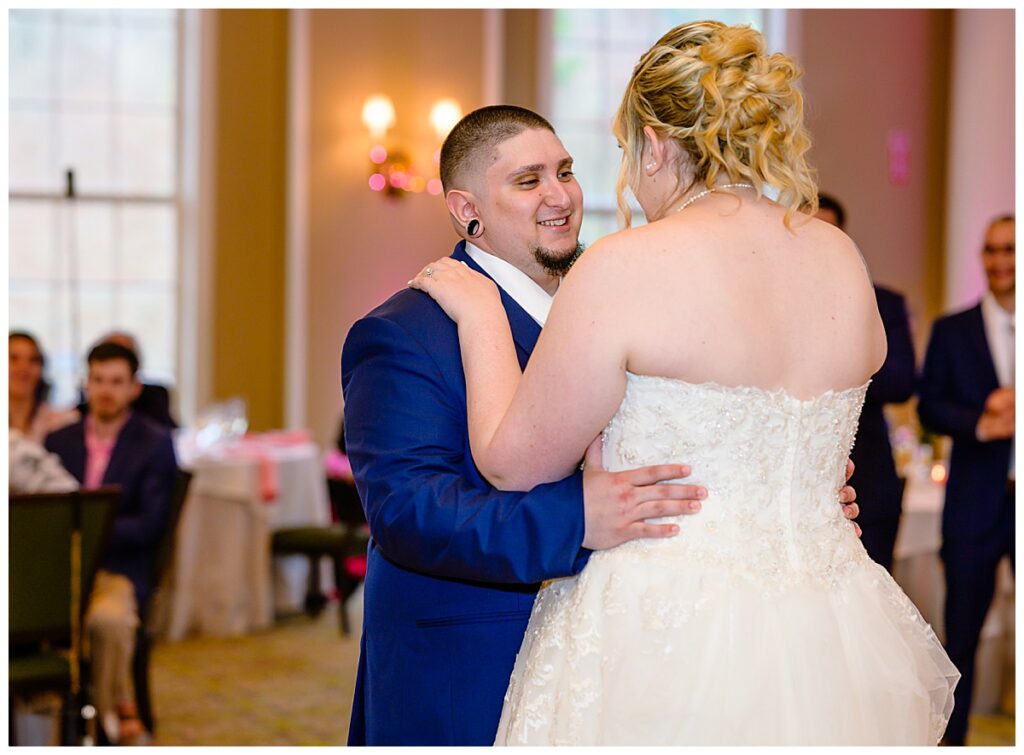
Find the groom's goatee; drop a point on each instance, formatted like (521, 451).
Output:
(557, 263)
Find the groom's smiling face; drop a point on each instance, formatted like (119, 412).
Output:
(531, 204)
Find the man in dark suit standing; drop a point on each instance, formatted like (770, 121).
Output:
(967, 392)
(113, 445)
(878, 486)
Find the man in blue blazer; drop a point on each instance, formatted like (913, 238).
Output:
(454, 564)
(114, 446)
(878, 486)
(967, 392)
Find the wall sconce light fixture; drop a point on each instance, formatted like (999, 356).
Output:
(391, 170)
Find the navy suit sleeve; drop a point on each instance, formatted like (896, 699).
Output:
(894, 382)
(938, 406)
(405, 433)
(157, 482)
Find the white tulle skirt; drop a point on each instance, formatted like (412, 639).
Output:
(631, 652)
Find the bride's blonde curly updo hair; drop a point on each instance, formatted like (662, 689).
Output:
(733, 109)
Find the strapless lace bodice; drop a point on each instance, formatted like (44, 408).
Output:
(763, 622)
(773, 466)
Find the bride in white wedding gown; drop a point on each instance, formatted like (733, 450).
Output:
(737, 336)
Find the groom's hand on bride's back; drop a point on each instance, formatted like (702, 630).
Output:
(616, 504)
(848, 499)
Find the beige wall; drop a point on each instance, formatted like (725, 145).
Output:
(869, 73)
(364, 246)
(248, 294)
(522, 57)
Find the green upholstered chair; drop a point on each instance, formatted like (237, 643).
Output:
(55, 544)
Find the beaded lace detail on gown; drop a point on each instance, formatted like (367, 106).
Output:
(763, 622)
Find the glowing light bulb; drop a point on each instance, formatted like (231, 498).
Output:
(444, 115)
(378, 115)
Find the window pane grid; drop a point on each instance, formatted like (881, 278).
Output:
(594, 52)
(95, 91)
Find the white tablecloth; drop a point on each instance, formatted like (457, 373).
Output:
(222, 582)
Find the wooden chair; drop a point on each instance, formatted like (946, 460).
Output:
(55, 544)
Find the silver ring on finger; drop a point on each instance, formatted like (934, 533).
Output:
(429, 272)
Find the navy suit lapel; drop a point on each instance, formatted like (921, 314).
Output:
(121, 456)
(979, 339)
(525, 330)
(75, 461)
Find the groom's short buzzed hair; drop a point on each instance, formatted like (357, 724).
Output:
(478, 134)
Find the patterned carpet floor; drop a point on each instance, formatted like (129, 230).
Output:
(292, 685)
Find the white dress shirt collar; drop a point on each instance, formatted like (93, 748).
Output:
(517, 284)
(999, 334)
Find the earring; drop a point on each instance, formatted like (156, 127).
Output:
(474, 228)
(650, 166)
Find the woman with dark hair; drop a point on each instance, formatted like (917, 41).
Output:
(27, 390)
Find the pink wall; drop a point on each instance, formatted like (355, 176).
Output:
(871, 74)
(362, 246)
(981, 144)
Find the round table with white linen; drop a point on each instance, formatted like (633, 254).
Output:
(224, 581)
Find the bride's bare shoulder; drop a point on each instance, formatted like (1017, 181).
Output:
(620, 249)
(607, 253)
(830, 246)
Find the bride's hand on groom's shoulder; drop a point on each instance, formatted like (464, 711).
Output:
(459, 290)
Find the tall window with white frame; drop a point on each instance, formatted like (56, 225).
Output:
(593, 53)
(95, 93)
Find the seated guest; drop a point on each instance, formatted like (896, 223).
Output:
(27, 390)
(879, 489)
(113, 445)
(154, 400)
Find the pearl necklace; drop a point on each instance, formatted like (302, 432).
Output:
(704, 193)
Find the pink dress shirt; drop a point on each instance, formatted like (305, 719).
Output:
(97, 454)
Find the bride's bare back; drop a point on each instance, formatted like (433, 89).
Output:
(723, 292)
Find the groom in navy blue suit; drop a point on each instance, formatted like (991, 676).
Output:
(454, 564)
(967, 392)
